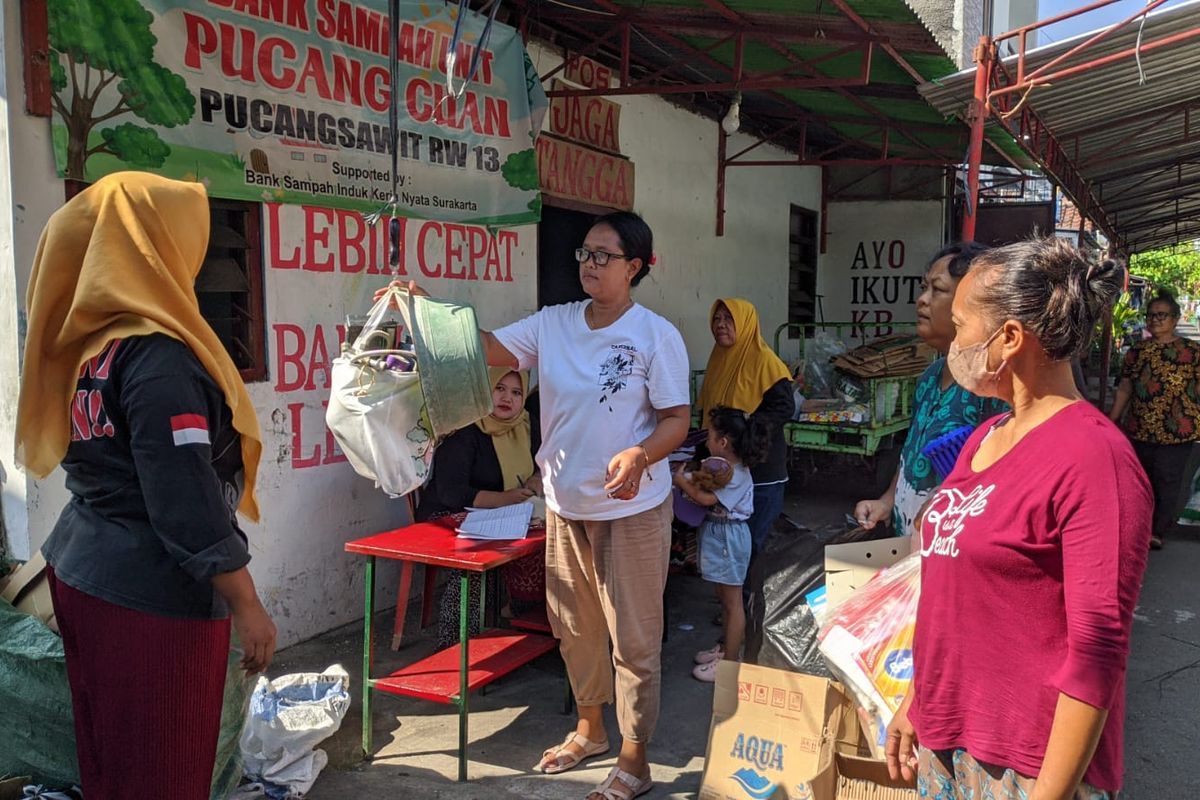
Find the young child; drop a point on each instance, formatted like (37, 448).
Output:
(724, 535)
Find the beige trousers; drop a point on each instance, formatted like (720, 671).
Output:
(605, 580)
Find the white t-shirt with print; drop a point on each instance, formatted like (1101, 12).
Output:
(599, 391)
(736, 498)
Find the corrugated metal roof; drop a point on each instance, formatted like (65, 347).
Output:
(846, 118)
(1132, 135)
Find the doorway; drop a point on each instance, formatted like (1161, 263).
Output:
(560, 232)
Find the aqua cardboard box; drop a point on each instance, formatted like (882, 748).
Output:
(774, 735)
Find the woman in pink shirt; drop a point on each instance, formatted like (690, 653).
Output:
(1032, 552)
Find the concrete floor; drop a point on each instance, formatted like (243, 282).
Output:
(415, 741)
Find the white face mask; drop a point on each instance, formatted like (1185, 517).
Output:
(968, 366)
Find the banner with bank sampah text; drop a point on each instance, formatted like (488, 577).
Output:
(287, 101)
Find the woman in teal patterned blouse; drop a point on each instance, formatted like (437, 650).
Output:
(940, 406)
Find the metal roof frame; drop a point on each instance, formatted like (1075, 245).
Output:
(833, 81)
(1108, 115)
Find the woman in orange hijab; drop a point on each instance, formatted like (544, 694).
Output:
(744, 373)
(127, 387)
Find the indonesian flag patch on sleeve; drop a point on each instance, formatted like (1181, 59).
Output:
(189, 429)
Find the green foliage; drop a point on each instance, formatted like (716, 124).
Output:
(1176, 269)
(520, 170)
(1123, 317)
(135, 145)
(158, 95)
(58, 75)
(109, 35)
(105, 42)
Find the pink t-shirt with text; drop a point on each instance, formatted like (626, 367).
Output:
(1030, 574)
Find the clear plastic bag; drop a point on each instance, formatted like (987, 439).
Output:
(818, 369)
(868, 638)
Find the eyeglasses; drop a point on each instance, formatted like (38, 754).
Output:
(1158, 316)
(598, 257)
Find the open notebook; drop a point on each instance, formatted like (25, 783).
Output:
(508, 522)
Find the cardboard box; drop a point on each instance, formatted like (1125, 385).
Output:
(13, 788)
(850, 566)
(774, 735)
(868, 779)
(28, 590)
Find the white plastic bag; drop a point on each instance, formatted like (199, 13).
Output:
(377, 414)
(288, 718)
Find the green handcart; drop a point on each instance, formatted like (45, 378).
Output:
(888, 399)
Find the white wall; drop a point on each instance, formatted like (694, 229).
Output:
(35, 193)
(1009, 15)
(876, 253)
(13, 502)
(312, 500)
(956, 26)
(675, 156)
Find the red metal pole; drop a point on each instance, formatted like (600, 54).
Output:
(979, 115)
(1038, 79)
(1042, 23)
(1099, 37)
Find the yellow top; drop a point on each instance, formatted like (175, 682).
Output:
(737, 376)
(119, 260)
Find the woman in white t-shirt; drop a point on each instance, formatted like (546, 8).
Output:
(613, 380)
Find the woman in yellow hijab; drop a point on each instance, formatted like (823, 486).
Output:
(744, 373)
(487, 465)
(126, 387)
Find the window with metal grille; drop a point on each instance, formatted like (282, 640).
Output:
(802, 268)
(229, 286)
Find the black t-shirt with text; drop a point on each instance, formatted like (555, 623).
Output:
(154, 468)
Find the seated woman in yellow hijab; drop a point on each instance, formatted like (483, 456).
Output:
(487, 465)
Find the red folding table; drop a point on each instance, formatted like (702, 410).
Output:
(449, 675)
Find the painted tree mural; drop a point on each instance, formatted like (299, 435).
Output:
(99, 43)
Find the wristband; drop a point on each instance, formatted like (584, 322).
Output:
(646, 456)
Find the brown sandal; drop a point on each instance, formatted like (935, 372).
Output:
(563, 759)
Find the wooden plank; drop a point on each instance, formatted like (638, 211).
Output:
(35, 44)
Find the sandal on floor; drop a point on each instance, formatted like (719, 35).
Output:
(620, 785)
(561, 759)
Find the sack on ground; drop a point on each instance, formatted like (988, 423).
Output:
(794, 568)
(227, 767)
(288, 718)
(37, 728)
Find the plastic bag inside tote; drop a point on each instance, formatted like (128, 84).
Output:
(395, 394)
